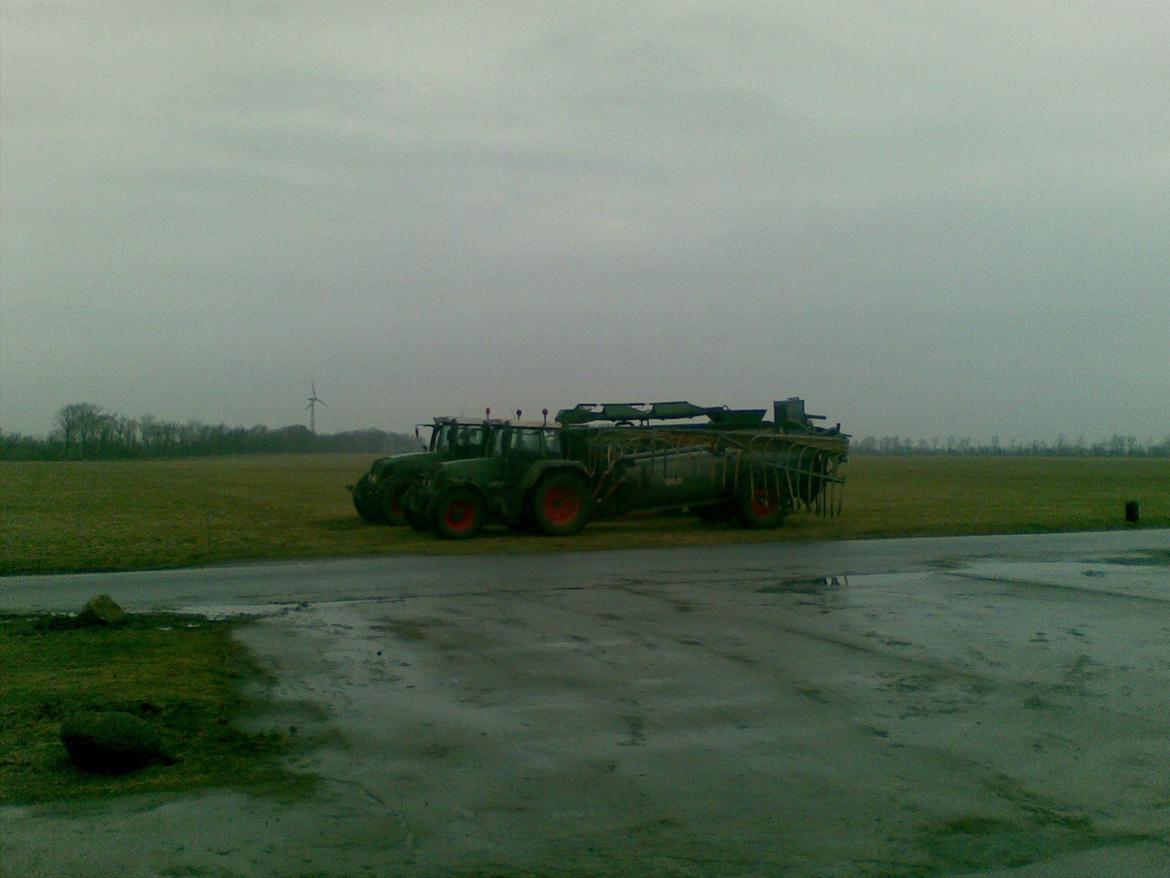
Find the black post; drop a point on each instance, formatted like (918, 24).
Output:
(1131, 511)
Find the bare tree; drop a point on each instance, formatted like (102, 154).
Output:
(79, 424)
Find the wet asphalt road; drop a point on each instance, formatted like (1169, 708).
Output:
(992, 706)
(375, 578)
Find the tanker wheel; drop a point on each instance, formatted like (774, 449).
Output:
(363, 500)
(391, 506)
(459, 514)
(762, 506)
(561, 504)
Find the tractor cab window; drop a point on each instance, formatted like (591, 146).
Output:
(470, 436)
(498, 443)
(537, 440)
(527, 440)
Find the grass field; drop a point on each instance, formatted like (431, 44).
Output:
(114, 515)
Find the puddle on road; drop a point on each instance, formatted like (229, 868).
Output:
(411, 630)
(805, 585)
(1129, 579)
(1153, 558)
(979, 842)
(224, 611)
(273, 608)
(1143, 582)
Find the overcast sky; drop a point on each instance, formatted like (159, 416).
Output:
(927, 219)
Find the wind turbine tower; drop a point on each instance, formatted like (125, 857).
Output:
(311, 408)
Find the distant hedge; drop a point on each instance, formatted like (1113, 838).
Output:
(84, 431)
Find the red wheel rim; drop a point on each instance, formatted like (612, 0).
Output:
(764, 503)
(562, 505)
(459, 516)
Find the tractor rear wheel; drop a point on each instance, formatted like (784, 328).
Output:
(561, 504)
(762, 505)
(459, 513)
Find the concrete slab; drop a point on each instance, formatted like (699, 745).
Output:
(984, 716)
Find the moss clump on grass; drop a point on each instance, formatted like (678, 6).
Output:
(112, 742)
(181, 676)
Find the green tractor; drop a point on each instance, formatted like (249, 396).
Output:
(378, 494)
(523, 480)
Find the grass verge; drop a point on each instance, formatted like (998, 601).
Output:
(182, 674)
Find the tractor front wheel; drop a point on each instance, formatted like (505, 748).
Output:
(415, 520)
(415, 516)
(390, 504)
(459, 514)
(364, 501)
(561, 504)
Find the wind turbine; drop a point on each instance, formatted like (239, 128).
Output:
(311, 408)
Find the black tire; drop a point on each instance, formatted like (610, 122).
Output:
(762, 505)
(561, 504)
(390, 504)
(416, 521)
(459, 514)
(364, 501)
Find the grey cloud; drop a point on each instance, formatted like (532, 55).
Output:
(928, 219)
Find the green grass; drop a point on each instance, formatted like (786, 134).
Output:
(182, 674)
(113, 515)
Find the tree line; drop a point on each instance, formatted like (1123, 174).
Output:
(84, 431)
(1116, 445)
